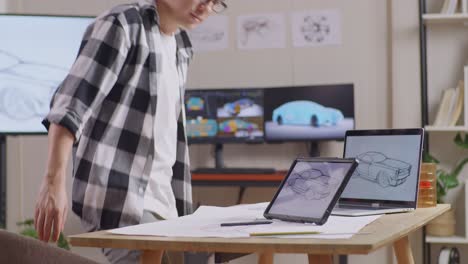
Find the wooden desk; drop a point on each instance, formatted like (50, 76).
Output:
(392, 229)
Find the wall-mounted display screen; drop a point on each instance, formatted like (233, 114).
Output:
(36, 53)
(305, 113)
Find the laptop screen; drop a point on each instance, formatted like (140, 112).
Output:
(388, 170)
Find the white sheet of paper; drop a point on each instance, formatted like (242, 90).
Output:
(205, 222)
(316, 28)
(261, 31)
(211, 35)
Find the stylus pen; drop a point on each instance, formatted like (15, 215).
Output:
(285, 233)
(247, 223)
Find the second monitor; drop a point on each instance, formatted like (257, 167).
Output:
(298, 113)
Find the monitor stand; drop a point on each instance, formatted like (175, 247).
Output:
(314, 150)
(221, 169)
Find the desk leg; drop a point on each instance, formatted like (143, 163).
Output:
(403, 251)
(320, 259)
(265, 258)
(151, 256)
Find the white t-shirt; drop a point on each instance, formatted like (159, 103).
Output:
(159, 197)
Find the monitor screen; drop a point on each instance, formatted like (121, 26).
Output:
(388, 166)
(36, 53)
(318, 112)
(310, 189)
(224, 116)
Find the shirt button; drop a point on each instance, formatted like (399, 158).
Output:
(141, 190)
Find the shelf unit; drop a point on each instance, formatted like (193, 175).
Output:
(449, 20)
(430, 19)
(446, 129)
(462, 237)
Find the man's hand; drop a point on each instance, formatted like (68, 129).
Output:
(51, 210)
(52, 203)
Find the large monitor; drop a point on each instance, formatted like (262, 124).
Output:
(36, 53)
(224, 116)
(280, 114)
(309, 113)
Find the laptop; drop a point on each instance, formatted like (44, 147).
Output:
(310, 190)
(386, 180)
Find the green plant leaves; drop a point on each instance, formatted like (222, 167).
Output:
(63, 242)
(427, 157)
(449, 180)
(30, 231)
(463, 143)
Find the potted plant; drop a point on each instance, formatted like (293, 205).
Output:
(446, 180)
(28, 230)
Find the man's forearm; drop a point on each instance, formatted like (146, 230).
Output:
(60, 145)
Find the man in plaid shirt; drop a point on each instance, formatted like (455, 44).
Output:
(121, 111)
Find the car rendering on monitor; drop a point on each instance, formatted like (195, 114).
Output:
(233, 125)
(195, 104)
(201, 127)
(306, 113)
(234, 108)
(386, 172)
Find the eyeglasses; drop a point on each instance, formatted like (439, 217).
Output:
(218, 6)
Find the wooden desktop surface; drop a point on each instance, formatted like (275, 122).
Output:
(388, 229)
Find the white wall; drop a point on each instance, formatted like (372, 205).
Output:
(3, 6)
(363, 58)
(404, 75)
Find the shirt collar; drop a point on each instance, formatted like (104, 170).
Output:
(183, 43)
(150, 6)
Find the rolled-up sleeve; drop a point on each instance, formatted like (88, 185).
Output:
(95, 71)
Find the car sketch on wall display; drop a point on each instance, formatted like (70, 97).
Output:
(382, 170)
(312, 184)
(26, 87)
(306, 113)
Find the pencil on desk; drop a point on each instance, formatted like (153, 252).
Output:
(285, 233)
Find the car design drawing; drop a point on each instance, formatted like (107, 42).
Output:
(378, 168)
(312, 184)
(201, 127)
(26, 86)
(195, 104)
(233, 125)
(306, 113)
(234, 108)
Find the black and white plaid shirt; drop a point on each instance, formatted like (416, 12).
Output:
(108, 101)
